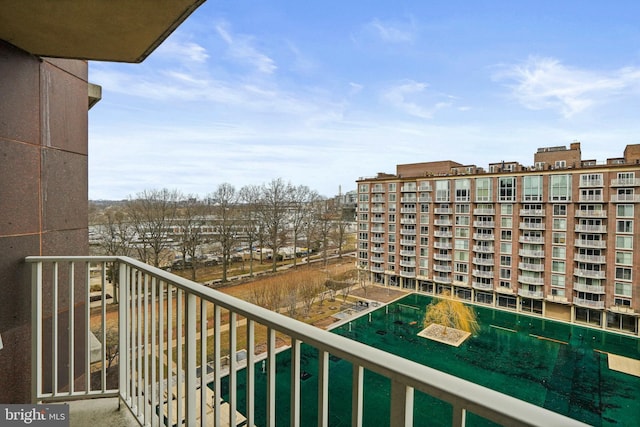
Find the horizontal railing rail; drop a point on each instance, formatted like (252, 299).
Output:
(165, 323)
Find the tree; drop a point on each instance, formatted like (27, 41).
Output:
(224, 208)
(153, 214)
(191, 218)
(249, 197)
(302, 198)
(324, 224)
(451, 313)
(275, 202)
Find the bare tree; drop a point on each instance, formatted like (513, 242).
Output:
(249, 197)
(224, 208)
(311, 288)
(191, 218)
(152, 214)
(302, 198)
(324, 225)
(275, 202)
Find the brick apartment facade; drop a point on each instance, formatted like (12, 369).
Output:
(556, 239)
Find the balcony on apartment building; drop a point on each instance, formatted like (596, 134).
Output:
(407, 210)
(528, 266)
(531, 226)
(442, 257)
(530, 294)
(483, 236)
(532, 212)
(483, 261)
(162, 344)
(583, 302)
(443, 222)
(484, 211)
(531, 239)
(487, 274)
(487, 249)
(625, 182)
(484, 224)
(531, 280)
(443, 211)
(591, 213)
(593, 289)
(622, 198)
(531, 253)
(588, 228)
(586, 183)
(584, 243)
(591, 274)
(409, 221)
(482, 286)
(407, 242)
(442, 245)
(593, 259)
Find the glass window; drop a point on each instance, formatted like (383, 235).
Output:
(532, 188)
(559, 238)
(507, 189)
(505, 248)
(506, 222)
(558, 266)
(363, 188)
(560, 210)
(392, 186)
(462, 220)
(624, 226)
(461, 256)
(625, 258)
(559, 252)
(393, 197)
(625, 211)
(506, 209)
(461, 244)
(623, 289)
(463, 209)
(624, 242)
(442, 191)
(559, 224)
(462, 232)
(557, 280)
(623, 273)
(363, 198)
(560, 187)
(505, 273)
(505, 235)
(463, 190)
(483, 189)
(505, 260)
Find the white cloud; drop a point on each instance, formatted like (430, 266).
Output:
(391, 33)
(545, 83)
(182, 51)
(403, 97)
(241, 47)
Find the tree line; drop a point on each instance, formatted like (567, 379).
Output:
(155, 222)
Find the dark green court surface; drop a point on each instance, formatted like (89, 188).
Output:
(557, 366)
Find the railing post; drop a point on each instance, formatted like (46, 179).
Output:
(323, 388)
(36, 331)
(190, 389)
(295, 383)
(123, 349)
(271, 377)
(401, 405)
(356, 396)
(459, 416)
(251, 373)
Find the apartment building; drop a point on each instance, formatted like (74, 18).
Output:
(555, 239)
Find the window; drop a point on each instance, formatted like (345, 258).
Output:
(461, 256)
(459, 267)
(505, 248)
(424, 229)
(560, 210)
(505, 235)
(363, 198)
(624, 242)
(442, 191)
(392, 228)
(506, 222)
(392, 238)
(625, 258)
(507, 189)
(559, 252)
(623, 289)
(461, 244)
(559, 224)
(506, 209)
(392, 217)
(560, 187)
(483, 189)
(558, 266)
(559, 238)
(392, 187)
(463, 190)
(505, 260)
(557, 280)
(623, 273)
(393, 197)
(624, 211)
(392, 207)
(624, 226)
(462, 232)
(532, 188)
(462, 220)
(363, 188)
(392, 258)
(560, 164)
(364, 217)
(462, 209)
(505, 273)
(363, 226)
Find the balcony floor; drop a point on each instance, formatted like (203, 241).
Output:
(100, 413)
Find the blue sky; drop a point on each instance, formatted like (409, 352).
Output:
(321, 93)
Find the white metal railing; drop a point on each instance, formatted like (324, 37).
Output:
(164, 323)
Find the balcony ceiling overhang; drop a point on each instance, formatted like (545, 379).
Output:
(102, 30)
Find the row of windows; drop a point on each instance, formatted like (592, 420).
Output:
(559, 185)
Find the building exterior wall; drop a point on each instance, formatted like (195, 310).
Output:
(43, 192)
(557, 242)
